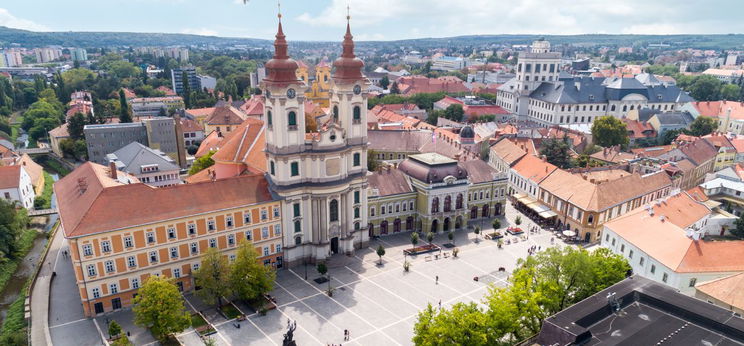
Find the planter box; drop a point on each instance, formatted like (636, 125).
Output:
(421, 249)
(495, 236)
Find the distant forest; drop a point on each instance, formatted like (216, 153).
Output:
(127, 39)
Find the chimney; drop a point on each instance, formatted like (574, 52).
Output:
(112, 170)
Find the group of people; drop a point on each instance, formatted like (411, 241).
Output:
(533, 249)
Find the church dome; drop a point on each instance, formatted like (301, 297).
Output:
(467, 132)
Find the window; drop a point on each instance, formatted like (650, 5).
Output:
(114, 288)
(171, 233)
(96, 293)
(435, 205)
(87, 250)
(177, 273)
(297, 226)
(357, 117)
(153, 256)
(128, 242)
(356, 212)
(622, 248)
(607, 237)
(298, 240)
(664, 277)
(131, 262)
(276, 211)
(213, 242)
(229, 221)
(692, 282)
(641, 261)
(192, 229)
(411, 206)
(653, 269)
(266, 250)
(174, 252)
(91, 270)
(296, 209)
(264, 232)
(230, 239)
(372, 211)
(135, 283)
(277, 230)
(109, 266)
(106, 246)
(333, 208)
(630, 254)
(264, 214)
(268, 119)
(246, 217)
(195, 267)
(335, 113)
(232, 258)
(357, 159)
(294, 169)
(278, 248)
(272, 169)
(150, 237)
(211, 225)
(292, 119)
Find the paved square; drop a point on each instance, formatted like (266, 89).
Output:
(377, 303)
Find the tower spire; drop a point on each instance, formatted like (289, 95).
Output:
(281, 68)
(348, 66)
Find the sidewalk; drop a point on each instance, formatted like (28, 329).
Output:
(40, 294)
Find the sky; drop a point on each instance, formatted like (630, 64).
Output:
(324, 20)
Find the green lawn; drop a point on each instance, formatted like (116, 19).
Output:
(197, 321)
(230, 311)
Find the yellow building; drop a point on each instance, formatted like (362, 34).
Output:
(121, 231)
(317, 88)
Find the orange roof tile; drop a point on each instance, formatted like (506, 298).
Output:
(10, 177)
(727, 289)
(228, 115)
(507, 151)
(533, 168)
(719, 109)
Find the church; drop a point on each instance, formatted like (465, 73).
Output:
(320, 177)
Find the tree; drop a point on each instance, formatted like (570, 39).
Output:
(372, 162)
(395, 89)
(212, 276)
(705, 88)
(731, 92)
(414, 239)
(451, 235)
(385, 82)
(496, 224)
(249, 279)
(518, 220)
(738, 230)
(114, 329)
(122, 341)
(454, 112)
(75, 126)
(186, 93)
(669, 136)
(322, 269)
(463, 324)
(702, 126)
(608, 131)
(429, 237)
(477, 231)
(159, 307)
(434, 115)
(202, 163)
(12, 222)
(557, 152)
(380, 252)
(124, 116)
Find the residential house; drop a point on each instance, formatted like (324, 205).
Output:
(700, 153)
(150, 166)
(56, 135)
(16, 185)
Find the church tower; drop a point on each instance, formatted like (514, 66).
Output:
(319, 176)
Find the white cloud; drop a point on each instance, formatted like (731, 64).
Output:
(200, 31)
(11, 21)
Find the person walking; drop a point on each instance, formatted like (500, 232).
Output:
(436, 280)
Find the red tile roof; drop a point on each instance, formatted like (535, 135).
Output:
(410, 85)
(225, 116)
(10, 176)
(720, 108)
(106, 205)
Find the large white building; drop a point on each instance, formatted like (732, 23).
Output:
(533, 67)
(321, 176)
(15, 185)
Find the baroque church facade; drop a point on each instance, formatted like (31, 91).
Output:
(320, 177)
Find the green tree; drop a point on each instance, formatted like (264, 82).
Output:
(477, 231)
(702, 126)
(12, 221)
(212, 276)
(518, 220)
(114, 329)
(429, 237)
(75, 126)
(731, 92)
(385, 82)
(372, 161)
(608, 131)
(463, 324)
(395, 89)
(738, 230)
(159, 307)
(585, 160)
(670, 135)
(202, 163)
(705, 88)
(434, 115)
(496, 224)
(414, 239)
(124, 115)
(186, 93)
(557, 152)
(322, 268)
(380, 252)
(454, 112)
(249, 279)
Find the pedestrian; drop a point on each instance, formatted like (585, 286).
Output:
(440, 304)
(346, 334)
(436, 280)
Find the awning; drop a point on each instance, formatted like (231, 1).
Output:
(569, 233)
(547, 214)
(526, 200)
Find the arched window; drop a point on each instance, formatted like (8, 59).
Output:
(612, 108)
(625, 108)
(268, 118)
(447, 203)
(335, 113)
(292, 118)
(458, 201)
(357, 114)
(298, 240)
(271, 166)
(297, 226)
(435, 205)
(334, 210)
